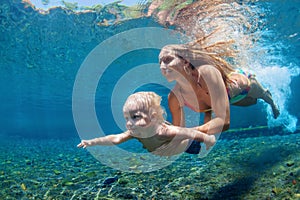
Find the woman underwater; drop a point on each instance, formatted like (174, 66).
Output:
(208, 84)
(209, 71)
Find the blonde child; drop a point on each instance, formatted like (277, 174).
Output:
(145, 122)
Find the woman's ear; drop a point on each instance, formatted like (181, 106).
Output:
(186, 69)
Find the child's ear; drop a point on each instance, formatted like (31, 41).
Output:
(153, 116)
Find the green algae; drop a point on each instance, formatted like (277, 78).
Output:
(67, 183)
(91, 174)
(57, 172)
(244, 173)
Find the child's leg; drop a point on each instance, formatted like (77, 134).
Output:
(257, 91)
(209, 141)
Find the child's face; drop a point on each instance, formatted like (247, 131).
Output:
(137, 121)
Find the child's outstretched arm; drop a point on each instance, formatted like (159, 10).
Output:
(106, 140)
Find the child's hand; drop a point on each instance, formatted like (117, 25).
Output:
(84, 144)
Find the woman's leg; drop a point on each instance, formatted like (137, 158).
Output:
(259, 92)
(247, 101)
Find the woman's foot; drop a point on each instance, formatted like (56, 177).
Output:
(268, 98)
(275, 110)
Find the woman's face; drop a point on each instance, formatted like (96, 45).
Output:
(171, 66)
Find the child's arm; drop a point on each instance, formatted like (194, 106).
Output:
(181, 133)
(106, 140)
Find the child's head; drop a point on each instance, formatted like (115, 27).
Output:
(142, 108)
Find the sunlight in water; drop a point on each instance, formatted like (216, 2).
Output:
(46, 4)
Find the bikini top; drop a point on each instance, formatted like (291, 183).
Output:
(192, 108)
(183, 102)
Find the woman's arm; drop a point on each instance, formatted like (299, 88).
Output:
(219, 102)
(176, 110)
(207, 116)
(106, 140)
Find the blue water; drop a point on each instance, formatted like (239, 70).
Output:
(42, 53)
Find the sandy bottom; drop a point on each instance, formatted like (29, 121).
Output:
(264, 167)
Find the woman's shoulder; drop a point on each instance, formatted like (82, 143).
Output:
(208, 70)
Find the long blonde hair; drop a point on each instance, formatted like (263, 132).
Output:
(197, 57)
(222, 31)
